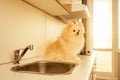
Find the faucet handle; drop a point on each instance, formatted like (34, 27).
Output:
(16, 55)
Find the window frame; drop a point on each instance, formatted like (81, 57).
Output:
(114, 37)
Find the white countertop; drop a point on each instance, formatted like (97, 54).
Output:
(81, 73)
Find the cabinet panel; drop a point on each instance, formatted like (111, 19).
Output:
(51, 7)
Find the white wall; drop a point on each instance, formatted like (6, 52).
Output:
(54, 29)
(21, 25)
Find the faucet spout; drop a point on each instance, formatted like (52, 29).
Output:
(25, 50)
(18, 57)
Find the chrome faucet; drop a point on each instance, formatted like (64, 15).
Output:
(18, 56)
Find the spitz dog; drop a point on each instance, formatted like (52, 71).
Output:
(68, 45)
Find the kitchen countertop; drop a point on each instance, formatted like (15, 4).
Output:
(82, 72)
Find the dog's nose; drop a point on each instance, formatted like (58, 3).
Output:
(77, 33)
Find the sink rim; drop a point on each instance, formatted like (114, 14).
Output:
(76, 64)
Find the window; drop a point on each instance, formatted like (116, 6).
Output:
(102, 24)
(103, 36)
(104, 61)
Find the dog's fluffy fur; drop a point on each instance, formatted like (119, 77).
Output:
(68, 44)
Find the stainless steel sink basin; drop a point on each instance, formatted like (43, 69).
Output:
(47, 67)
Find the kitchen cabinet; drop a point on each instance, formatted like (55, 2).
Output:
(65, 10)
(51, 7)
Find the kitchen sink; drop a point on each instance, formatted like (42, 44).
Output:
(47, 67)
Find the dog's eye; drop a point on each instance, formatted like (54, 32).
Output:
(73, 30)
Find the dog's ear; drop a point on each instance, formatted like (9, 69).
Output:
(69, 24)
(80, 23)
(82, 26)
